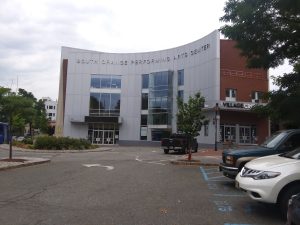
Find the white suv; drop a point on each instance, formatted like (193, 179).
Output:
(272, 179)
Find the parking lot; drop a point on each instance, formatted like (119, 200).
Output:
(234, 205)
(127, 185)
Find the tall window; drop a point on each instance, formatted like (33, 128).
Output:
(231, 94)
(145, 81)
(256, 96)
(105, 95)
(160, 98)
(144, 101)
(180, 77)
(180, 94)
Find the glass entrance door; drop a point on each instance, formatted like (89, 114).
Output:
(97, 137)
(109, 137)
(229, 133)
(106, 137)
(245, 135)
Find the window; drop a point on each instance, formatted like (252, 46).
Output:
(144, 119)
(143, 133)
(144, 101)
(256, 96)
(106, 81)
(231, 94)
(160, 98)
(104, 104)
(180, 94)
(145, 81)
(180, 77)
(50, 107)
(206, 129)
(95, 81)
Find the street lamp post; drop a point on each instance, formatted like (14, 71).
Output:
(217, 117)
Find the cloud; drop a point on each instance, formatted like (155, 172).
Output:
(33, 31)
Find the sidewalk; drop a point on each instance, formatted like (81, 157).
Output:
(21, 162)
(204, 157)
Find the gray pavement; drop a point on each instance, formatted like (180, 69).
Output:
(22, 161)
(204, 157)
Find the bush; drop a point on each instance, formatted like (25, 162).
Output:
(61, 143)
(28, 140)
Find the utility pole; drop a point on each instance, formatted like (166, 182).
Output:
(217, 117)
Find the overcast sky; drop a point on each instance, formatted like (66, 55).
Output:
(33, 31)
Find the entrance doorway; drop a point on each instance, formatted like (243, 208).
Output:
(106, 137)
(103, 133)
(228, 133)
(245, 135)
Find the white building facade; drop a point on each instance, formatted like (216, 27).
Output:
(115, 97)
(121, 98)
(51, 108)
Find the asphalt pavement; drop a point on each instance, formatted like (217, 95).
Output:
(204, 157)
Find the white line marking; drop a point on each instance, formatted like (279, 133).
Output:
(98, 165)
(90, 165)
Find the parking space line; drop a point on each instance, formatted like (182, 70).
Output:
(203, 173)
(237, 224)
(229, 195)
(207, 175)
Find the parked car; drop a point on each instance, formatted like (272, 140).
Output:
(293, 212)
(178, 142)
(272, 179)
(282, 141)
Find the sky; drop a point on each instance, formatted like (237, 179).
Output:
(32, 33)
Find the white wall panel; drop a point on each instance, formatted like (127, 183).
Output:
(201, 68)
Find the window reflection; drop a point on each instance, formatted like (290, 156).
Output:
(145, 81)
(101, 102)
(106, 81)
(105, 104)
(180, 77)
(160, 98)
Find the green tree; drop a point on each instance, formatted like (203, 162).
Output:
(40, 119)
(13, 109)
(267, 33)
(284, 103)
(190, 117)
(36, 116)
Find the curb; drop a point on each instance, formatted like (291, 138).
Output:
(192, 163)
(57, 151)
(24, 164)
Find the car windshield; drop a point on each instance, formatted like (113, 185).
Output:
(272, 141)
(295, 154)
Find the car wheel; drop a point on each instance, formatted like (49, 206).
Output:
(166, 151)
(285, 196)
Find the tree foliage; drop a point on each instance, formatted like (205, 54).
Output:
(284, 105)
(21, 108)
(190, 117)
(266, 31)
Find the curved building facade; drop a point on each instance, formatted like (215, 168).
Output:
(131, 97)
